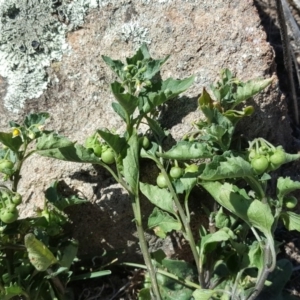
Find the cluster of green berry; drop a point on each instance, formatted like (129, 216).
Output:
(8, 205)
(100, 149)
(175, 173)
(264, 157)
(6, 166)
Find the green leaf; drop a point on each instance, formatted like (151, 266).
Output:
(185, 150)
(170, 288)
(159, 197)
(131, 164)
(260, 216)
(116, 65)
(254, 212)
(69, 253)
(285, 186)
(209, 242)
(186, 183)
(13, 143)
(154, 100)
(176, 86)
(91, 275)
(144, 294)
(162, 223)
(203, 294)
(12, 291)
(58, 200)
(291, 220)
(52, 141)
(128, 102)
(117, 143)
(153, 67)
(256, 255)
(119, 110)
(233, 167)
(39, 255)
(156, 129)
(75, 153)
(205, 101)
(250, 88)
(221, 219)
(141, 54)
(36, 119)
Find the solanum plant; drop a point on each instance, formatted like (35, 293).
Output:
(235, 258)
(36, 255)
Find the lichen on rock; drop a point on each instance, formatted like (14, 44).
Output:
(32, 35)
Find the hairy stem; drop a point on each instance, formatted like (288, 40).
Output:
(144, 246)
(186, 224)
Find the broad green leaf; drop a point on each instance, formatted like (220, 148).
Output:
(39, 255)
(260, 216)
(150, 153)
(141, 54)
(156, 129)
(250, 88)
(119, 110)
(254, 212)
(291, 220)
(221, 219)
(69, 253)
(12, 291)
(116, 65)
(203, 294)
(185, 150)
(186, 183)
(131, 164)
(153, 67)
(117, 143)
(13, 143)
(177, 86)
(233, 167)
(52, 141)
(154, 100)
(35, 119)
(256, 255)
(209, 242)
(171, 289)
(75, 153)
(159, 197)
(162, 223)
(285, 186)
(58, 200)
(128, 102)
(144, 294)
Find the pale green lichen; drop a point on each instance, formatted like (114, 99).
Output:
(32, 35)
(134, 32)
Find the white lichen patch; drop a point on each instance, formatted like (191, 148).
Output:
(133, 31)
(32, 35)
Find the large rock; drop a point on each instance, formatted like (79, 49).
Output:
(202, 37)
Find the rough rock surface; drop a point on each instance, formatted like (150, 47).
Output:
(202, 38)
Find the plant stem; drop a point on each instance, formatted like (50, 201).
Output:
(186, 282)
(143, 245)
(186, 224)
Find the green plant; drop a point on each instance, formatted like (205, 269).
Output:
(36, 255)
(235, 258)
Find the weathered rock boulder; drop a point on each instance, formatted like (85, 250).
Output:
(202, 37)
